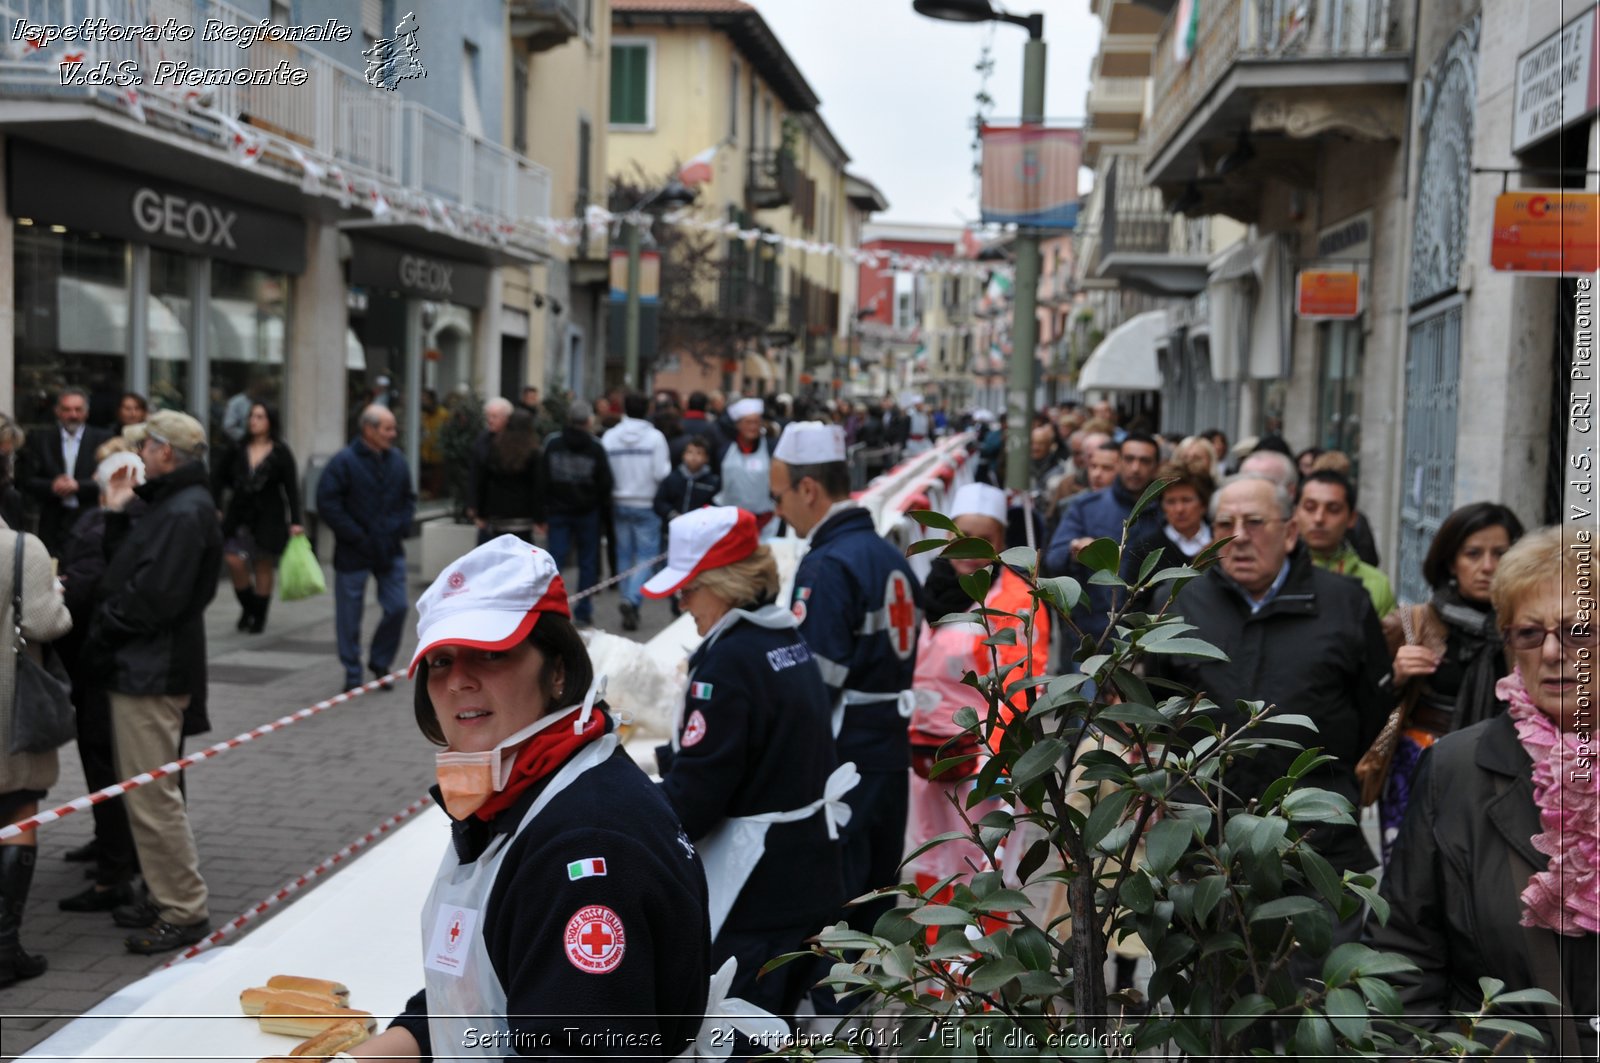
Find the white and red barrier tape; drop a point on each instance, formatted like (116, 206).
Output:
(295, 885)
(110, 792)
(143, 779)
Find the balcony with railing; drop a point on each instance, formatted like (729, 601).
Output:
(1127, 38)
(332, 134)
(547, 24)
(1141, 245)
(1283, 73)
(772, 181)
(745, 301)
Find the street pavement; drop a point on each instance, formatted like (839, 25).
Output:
(263, 813)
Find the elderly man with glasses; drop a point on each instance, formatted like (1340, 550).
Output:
(1305, 641)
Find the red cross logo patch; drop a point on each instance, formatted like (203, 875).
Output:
(454, 936)
(595, 940)
(901, 607)
(694, 729)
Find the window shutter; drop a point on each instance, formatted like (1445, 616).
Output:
(372, 19)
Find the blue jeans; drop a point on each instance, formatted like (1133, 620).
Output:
(584, 530)
(349, 588)
(638, 540)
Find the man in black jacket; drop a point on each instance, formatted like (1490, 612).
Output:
(365, 498)
(578, 475)
(148, 640)
(1305, 641)
(56, 472)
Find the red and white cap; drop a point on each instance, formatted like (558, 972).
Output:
(490, 598)
(701, 540)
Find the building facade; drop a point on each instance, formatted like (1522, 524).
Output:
(692, 77)
(317, 242)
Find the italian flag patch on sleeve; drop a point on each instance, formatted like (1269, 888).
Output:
(594, 867)
(700, 690)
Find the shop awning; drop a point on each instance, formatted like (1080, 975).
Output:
(1126, 359)
(92, 318)
(758, 367)
(239, 333)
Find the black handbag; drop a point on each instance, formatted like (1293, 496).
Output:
(42, 718)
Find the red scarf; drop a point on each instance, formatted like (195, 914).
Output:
(541, 757)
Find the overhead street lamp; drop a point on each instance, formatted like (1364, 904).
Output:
(1025, 321)
(671, 195)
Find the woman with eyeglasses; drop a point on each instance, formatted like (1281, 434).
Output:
(751, 770)
(1447, 652)
(1495, 868)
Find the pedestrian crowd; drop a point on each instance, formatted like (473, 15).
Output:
(799, 770)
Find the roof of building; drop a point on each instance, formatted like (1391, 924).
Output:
(863, 194)
(743, 23)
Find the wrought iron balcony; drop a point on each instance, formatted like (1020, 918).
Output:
(745, 301)
(547, 24)
(773, 180)
(1141, 245)
(1268, 66)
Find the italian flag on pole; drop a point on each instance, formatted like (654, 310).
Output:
(590, 868)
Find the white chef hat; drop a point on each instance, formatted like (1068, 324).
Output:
(981, 500)
(746, 408)
(811, 443)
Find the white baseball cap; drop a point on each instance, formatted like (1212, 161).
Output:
(810, 443)
(738, 411)
(981, 500)
(703, 539)
(489, 599)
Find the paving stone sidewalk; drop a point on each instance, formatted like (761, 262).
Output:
(262, 813)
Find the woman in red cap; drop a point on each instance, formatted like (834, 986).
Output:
(570, 908)
(751, 768)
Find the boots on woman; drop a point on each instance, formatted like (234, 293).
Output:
(259, 605)
(247, 606)
(16, 876)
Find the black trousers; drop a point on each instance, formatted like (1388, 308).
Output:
(118, 861)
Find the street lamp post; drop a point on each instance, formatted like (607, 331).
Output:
(672, 194)
(1024, 320)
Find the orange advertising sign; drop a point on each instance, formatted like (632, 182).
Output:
(1546, 232)
(1328, 294)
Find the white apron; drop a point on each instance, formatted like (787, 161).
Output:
(905, 701)
(733, 848)
(745, 480)
(462, 988)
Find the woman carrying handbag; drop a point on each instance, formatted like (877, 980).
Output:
(24, 777)
(258, 493)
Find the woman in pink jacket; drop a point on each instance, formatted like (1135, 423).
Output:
(945, 654)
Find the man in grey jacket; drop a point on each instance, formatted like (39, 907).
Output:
(637, 452)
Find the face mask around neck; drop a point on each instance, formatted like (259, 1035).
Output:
(467, 780)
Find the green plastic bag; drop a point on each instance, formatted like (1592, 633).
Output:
(299, 575)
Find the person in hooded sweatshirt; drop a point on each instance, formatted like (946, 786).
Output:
(751, 769)
(577, 476)
(637, 452)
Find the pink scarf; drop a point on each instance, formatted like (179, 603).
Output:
(1565, 897)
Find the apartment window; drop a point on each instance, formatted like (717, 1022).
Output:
(733, 102)
(632, 71)
(372, 21)
(471, 112)
(585, 135)
(519, 105)
(766, 125)
(282, 13)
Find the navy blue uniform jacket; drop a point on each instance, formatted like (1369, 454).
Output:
(860, 608)
(654, 884)
(761, 743)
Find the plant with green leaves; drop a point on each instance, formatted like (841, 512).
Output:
(1113, 795)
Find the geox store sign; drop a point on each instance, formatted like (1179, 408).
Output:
(55, 188)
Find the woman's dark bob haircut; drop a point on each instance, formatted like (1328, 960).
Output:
(1438, 568)
(566, 660)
